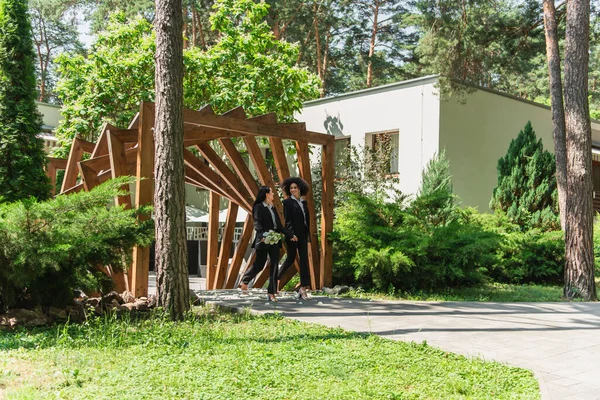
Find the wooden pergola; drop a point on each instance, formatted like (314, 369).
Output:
(130, 151)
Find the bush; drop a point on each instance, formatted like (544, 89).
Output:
(380, 245)
(531, 256)
(47, 249)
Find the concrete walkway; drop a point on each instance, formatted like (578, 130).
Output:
(560, 342)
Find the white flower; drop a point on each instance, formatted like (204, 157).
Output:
(272, 237)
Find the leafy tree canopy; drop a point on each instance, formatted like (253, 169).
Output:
(247, 67)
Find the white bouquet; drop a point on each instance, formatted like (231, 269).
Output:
(272, 237)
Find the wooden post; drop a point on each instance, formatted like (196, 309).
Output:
(144, 194)
(327, 214)
(226, 243)
(71, 170)
(240, 250)
(213, 239)
(313, 245)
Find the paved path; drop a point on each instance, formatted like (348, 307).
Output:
(560, 342)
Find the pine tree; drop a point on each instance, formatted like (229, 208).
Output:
(22, 157)
(526, 189)
(435, 202)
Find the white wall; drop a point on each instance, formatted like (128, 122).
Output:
(477, 133)
(411, 107)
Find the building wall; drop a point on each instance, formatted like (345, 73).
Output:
(411, 107)
(50, 114)
(477, 131)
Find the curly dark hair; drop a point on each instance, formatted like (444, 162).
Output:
(302, 185)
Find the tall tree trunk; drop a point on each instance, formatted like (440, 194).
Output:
(558, 110)
(372, 44)
(579, 254)
(169, 197)
(317, 41)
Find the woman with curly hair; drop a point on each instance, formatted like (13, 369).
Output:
(297, 223)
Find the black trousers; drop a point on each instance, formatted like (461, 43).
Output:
(262, 251)
(300, 247)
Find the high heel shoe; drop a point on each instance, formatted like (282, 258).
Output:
(272, 298)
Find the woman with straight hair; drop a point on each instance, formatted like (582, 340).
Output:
(297, 224)
(265, 220)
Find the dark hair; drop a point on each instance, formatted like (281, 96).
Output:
(262, 194)
(302, 185)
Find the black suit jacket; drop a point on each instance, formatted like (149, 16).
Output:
(264, 223)
(294, 219)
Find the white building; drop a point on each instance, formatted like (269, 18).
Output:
(475, 129)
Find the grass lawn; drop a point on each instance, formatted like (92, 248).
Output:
(216, 355)
(492, 292)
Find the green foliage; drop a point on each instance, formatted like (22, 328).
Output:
(209, 356)
(435, 201)
(383, 245)
(47, 249)
(22, 157)
(526, 189)
(247, 67)
(530, 256)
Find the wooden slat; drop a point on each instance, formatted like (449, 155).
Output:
(327, 173)
(75, 189)
(261, 168)
(223, 169)
(89, 177)
(240, 251)
(135, 121)
(211, 176)
(313, 245)
(212, 247)
(200, 134)
(200, 181)
(283, 170)
(295, 131)
(51, 174)
(239, 165)
(102, 163)
(118, 165)
(144, 194)
(71, 169)
(87, 147)
(247, 264)
(58, 163)
(226, 243)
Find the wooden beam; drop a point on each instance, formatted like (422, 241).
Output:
(198, 180)
(87, 147)
(226, 243)
(52, 166)
(211, 176)
(144, 194)
(58, 163)
(295, 131)
(240, 251)
(118, 164)
(264, 175)
(313, 245)
(198, 134)
(102, 163)
(212, 247)
(283, 170)
(89, 177)
(71, 169)
(239, 165)
(327, 173)
(223, 169)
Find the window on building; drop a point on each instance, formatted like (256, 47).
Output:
(387, 142)
(342, 154)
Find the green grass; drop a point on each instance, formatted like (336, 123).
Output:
(492, 292)
(222, 356)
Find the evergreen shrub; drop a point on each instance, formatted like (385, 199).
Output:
(48, 249)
